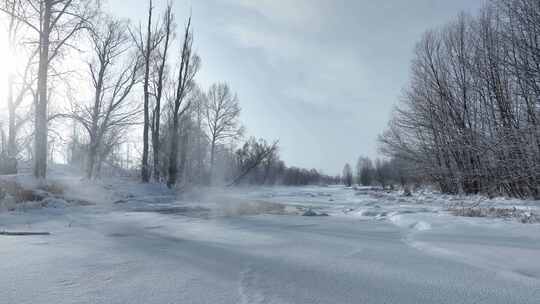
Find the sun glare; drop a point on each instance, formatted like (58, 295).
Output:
(9, 62)
(5, 67)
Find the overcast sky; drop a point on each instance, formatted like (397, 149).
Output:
(322, 76)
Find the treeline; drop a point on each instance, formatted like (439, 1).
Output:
(273, 171)
(107, 78)
(470, 119)
(386, 173)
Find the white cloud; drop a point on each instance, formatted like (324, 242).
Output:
(309, 71)
(297, 14)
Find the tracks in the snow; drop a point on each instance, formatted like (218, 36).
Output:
(248, 290)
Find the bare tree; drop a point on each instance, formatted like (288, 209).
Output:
(187, 69)
(114, 71)
(253, 154)
(19, 82)
(55, 22)
(199, 107)
(469, 119)
(347, 175)
(159, 83)
(147, 51)
(221, 117)
(364, 169)
(382, 172)
(147, 47)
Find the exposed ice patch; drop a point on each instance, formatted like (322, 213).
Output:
(409, 221)
(421, 226)
(53, 202)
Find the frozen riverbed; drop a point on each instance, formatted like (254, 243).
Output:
(149, 248)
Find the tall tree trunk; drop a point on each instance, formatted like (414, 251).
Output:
(183, 153)
(12, 145)
(157, 109)
(186, 73)
(199, 145)
(212, 159)
(145, 172)
(156, 149)
(92, 155)
(173, 157)
(95, 138)
(12, 127)
(41, 121)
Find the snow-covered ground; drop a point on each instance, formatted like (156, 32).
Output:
(140, 244)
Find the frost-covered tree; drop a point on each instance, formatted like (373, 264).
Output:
(365, 171)
(186, 71)
(114, 70)
(469, 119)
(159, 81)
(347, 175)
(221, 118)
(53, 24)
(20, 79)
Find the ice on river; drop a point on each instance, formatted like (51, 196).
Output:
(141, 244)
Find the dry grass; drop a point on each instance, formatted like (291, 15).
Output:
(492, 212)
(22, 194)
(17, 191)
(253, 208)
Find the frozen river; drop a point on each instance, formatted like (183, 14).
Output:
(371, 249)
